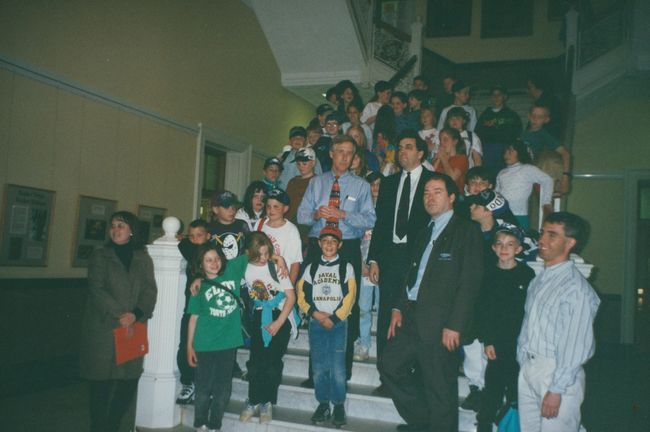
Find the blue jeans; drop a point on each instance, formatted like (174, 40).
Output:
(368, 296)
(327, 349)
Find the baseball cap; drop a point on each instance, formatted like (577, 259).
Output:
(305, 154)
(331, 231)
(513, 230)
(297, 131)
(335, 116)
(224, 198)
(458, 86)
(323, 108)
(491, 200)
(272, 161)
(278, 195)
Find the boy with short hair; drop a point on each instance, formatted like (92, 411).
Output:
(501, 308)
(542, 144)
(478, 179)
(227, 232)
(297, 139)
(403, 121)
(305, 162)
(197, 234)
(272, 170)
(461, 92)
(313, 133)
(283, 234)
(326, 292)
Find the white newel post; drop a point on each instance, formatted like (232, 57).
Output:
(156, 405)
(415, 47)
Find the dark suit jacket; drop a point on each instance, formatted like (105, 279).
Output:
(387, 202)
(451, 281)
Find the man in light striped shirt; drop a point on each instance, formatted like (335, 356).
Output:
(556, 336)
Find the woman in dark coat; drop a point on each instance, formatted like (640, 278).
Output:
(121, 291)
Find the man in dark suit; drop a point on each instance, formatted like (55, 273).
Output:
(400, 216)
(432, 314)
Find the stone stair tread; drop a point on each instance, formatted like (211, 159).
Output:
(288, 419)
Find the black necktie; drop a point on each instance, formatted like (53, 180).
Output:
(401, 225)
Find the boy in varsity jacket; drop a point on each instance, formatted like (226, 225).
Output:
(326, 292)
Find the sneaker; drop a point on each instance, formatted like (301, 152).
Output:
(203, 428)
(248, 412)
(322, 413)
(266, 413)
(338, 417)
(187, 395)
(360, 353)
(473, 400)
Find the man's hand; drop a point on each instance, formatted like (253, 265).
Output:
(490, 352)
(374, 273)
(551, 405)
(450, 339)
(395, 321)
(337, 213)
(195, 287)
(127, 319)
(322, 212)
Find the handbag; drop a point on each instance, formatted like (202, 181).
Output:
(510, 421)
(130, 342)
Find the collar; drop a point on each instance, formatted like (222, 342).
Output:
(334, 261)
(345, 174)
(558, 266)
(414, 172)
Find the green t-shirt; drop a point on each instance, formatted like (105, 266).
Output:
(218, 326)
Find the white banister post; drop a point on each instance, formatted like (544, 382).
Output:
(156, 405)
(415, 47)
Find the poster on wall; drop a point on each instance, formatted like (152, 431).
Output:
(26, 218)
(151, 222)
(91, 232)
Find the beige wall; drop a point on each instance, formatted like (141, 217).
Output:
(610, 140)
(543, 43)
(198, 61)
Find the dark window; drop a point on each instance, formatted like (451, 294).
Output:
(506, 18)
(449, 18)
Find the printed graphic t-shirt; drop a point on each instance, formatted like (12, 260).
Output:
(261, 285)
(218, 326)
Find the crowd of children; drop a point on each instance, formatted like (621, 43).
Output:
(249, 268)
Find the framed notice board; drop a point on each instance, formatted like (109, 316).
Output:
(27, 215)
(91, 230)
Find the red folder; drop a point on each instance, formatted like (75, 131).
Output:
(130, 342)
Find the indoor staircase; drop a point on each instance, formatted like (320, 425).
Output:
(366, 412)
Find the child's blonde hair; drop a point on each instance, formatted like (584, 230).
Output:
(255, 241)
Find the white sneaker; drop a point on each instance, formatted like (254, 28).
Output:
(248, 412)
(266, 413)
(203, 428)
(360, 353)
(186, 395)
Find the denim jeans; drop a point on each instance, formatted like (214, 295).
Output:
(327, 349)
(213, 384)
(368, 296)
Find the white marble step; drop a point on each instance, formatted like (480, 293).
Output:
(295, 420)
(360, 402)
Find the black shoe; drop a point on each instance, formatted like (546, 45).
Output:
(339, 418)
(236, 371)
(484, 427)
(411, 428)
(473, 400)
(308, 383)
(381, 391)
(322, 413)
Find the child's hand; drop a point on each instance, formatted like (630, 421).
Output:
(327, 323)
(195, 287)
(274, 327)
(490, 352)
(283, 270)
(191, 357)
(320, 316)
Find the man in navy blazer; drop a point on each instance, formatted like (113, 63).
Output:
(432, 314)
(391, 241)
